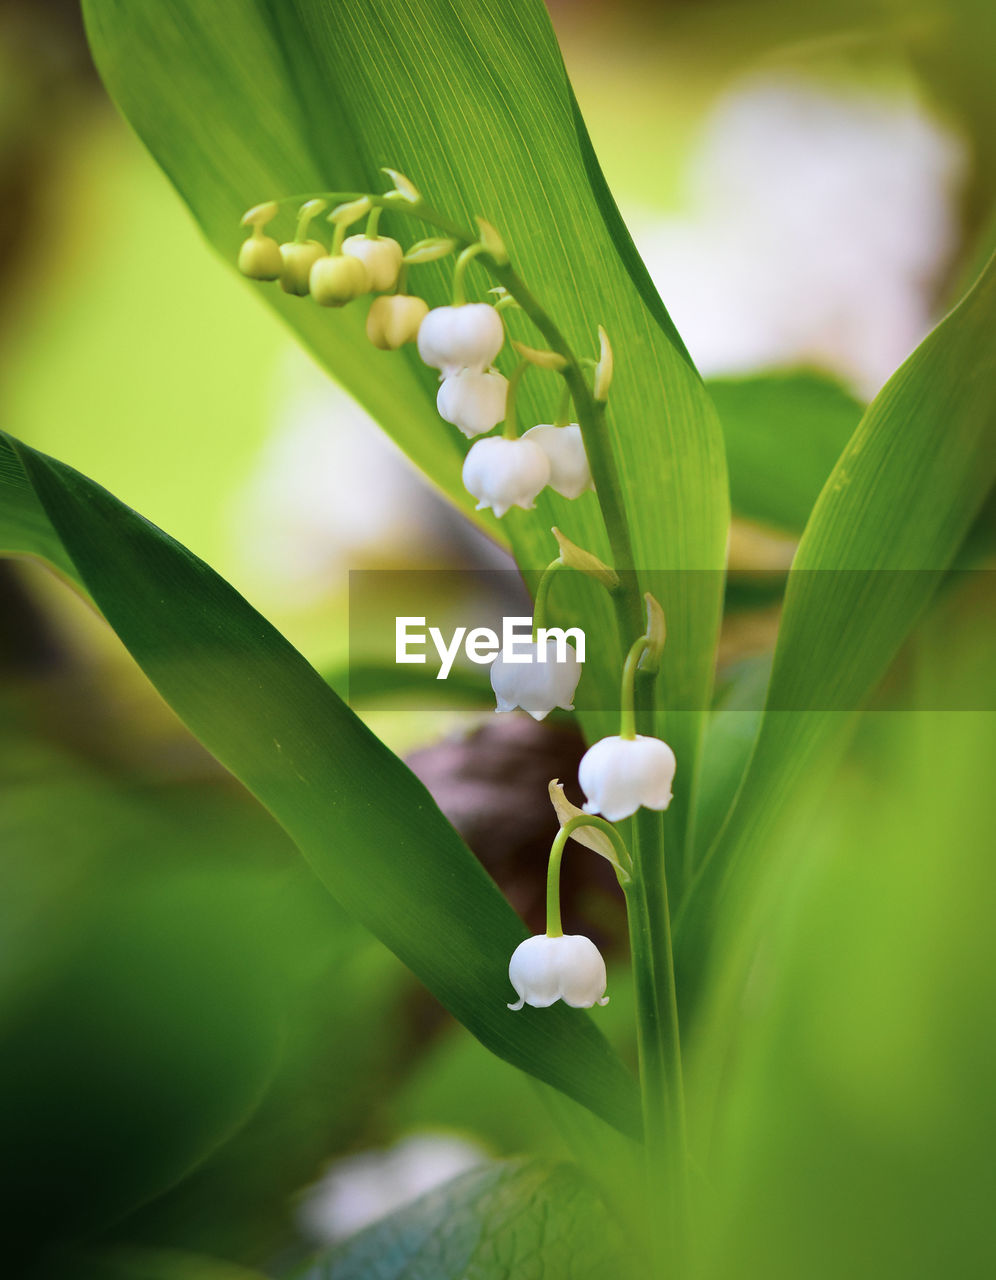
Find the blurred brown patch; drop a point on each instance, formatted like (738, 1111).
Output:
(492, 785)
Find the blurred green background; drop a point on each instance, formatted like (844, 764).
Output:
(191, 1029)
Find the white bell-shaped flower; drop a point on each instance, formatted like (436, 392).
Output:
(380, 255)
(503, 473)
(569, 968)
(474, 402)
(570, 474)
(619, 775)
(536, 681)
(464, 337)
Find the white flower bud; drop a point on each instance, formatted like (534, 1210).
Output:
(569, 968)
(619, 775)
(505, 473)
(260, 258)
(474, 402)
(380, 255)
(570, 474)
(336, 280)
(299, 256)
(466, 337)
(537, 685)
(394, 320)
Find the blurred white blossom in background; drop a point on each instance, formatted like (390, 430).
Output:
(817, 226)
(360, 1189)
(329, 492)
(818, 223)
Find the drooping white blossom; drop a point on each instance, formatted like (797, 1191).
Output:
(474, 402)
(570, 474)
(818, 222)
(620, 775)
(570, 968)
(538, 684)
(503, 473)
(464, 337)
(380, 255)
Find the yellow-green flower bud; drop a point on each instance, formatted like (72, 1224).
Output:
(299, 256)
(394, 320)
(380, 255)
(337, 280)
(259, 257)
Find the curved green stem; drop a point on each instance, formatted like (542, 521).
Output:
(309, 210)
(373, 222)
(564, 408)
(338, 236)
(466, 257)
(543, 594)
(591, 416)
(627, 698)
(554, 929)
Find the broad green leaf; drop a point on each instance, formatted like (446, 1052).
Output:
(784, 433)
(367, 826)
(159, 1264)
(243, 100)
(369, 681)
(889, 521)
(130, 918)
(506, 1219)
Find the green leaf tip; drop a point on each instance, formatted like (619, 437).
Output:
(575, 557)
(655, 635)
(405, 188)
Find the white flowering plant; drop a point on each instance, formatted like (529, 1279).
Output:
(410, 186)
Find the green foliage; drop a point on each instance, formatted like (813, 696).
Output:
(889, 521)
(847, 1096)
(501, 1220)
(369, 829)
(173, 976)
(784, 433)
(473, 104)
(244, 100)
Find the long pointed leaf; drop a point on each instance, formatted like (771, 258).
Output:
(889, 521)
(367, 826)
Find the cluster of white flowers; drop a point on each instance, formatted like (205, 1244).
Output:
(462, 341)
(617, 774)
